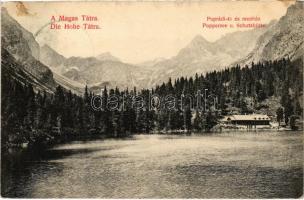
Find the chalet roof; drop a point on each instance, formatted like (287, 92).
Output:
(251, 117)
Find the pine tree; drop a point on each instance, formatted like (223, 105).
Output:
(197, 122)
(280, 115)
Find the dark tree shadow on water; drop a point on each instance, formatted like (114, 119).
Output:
(21, 169)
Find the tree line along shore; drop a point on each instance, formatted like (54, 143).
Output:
(37, 118)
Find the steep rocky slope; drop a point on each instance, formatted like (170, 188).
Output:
(285, 39)
(20, 47)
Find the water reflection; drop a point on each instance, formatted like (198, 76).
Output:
(234, 165)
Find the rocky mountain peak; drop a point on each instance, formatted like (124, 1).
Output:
(107, 56)
(296, 8)
(198, 39)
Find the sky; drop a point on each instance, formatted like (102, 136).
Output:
(136, 31)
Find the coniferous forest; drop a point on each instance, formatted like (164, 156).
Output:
(41, 118)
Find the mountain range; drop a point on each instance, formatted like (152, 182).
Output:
(96, 72)
(198, 56)
(201, 56)
(46, 68)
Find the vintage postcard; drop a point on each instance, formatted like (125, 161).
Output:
(152, 99)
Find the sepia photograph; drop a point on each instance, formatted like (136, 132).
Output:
(152, 99)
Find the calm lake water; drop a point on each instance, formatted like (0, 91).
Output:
(230, 165)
